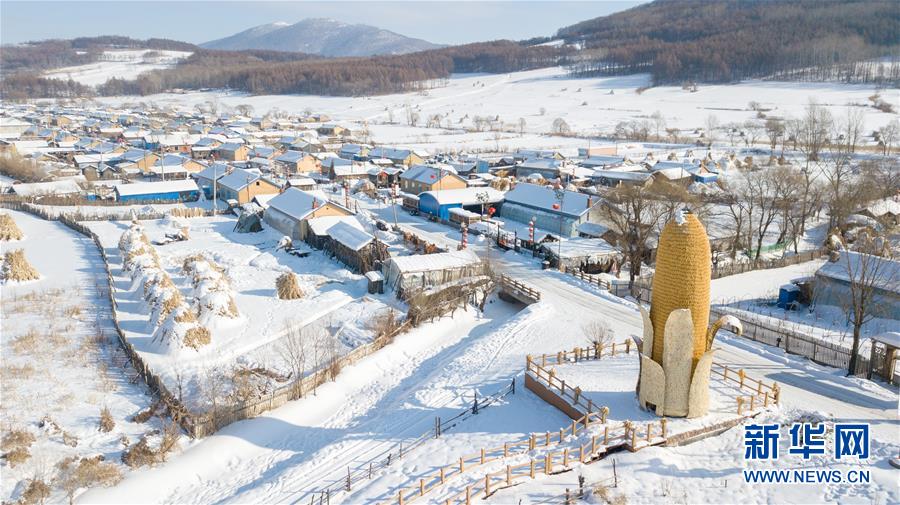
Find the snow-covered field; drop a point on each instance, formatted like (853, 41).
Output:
(121, 64)
(60, 361)
(589, 105)
(334, 300)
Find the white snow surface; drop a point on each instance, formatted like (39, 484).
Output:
(121, 64)
(66, 375)
(522, 94)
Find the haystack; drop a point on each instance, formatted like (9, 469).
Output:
(186, 212)
(287, 286)
(196, 337)
(8, 228)
(17, 268)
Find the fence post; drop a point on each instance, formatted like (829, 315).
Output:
(566, 457)
(442, 475)
(547, 439)
(593, 444)
(531, 468)
(548, 464)
(508, 475)
(462, 467)
(505, 449)
(482, 455)
(487, 485)
(606, 435)
(400, 497)
(421, 487)
(531, 442)
(628, 346)
(468, 494)
(662, 425)
(348, 478)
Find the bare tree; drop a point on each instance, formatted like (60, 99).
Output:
(712, 124)
(888, 134)
(774, 131)
(292, 350)
(753, 131)
(866, 274)
(812, 132)
(522, 126)
(598, 334)
(659, 123)
(635, 216)
(560, 127)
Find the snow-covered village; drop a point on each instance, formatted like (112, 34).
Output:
(622, 253)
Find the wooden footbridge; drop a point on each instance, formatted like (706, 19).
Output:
(518, 290)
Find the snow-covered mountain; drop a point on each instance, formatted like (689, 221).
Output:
(326, 37)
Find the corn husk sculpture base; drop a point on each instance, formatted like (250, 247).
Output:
(676, 354)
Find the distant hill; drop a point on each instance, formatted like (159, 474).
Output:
(703, 40)
(325, 37)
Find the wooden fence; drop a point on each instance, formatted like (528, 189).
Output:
(794, 342)
(759, 394)
(765, 264)
(612, 437)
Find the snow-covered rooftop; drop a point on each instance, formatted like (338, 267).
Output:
(148, 188)
(437, 261)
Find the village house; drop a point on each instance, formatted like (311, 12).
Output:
(359, 152)
(384, 177)
(242, 185)
(404, 157)
(556, 211)
(204, 148)
(232, 152)
(207, 177)
(290, 211)
(834, 279)
(297, 162)
(421, 178)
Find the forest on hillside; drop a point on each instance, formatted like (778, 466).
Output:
(48, 54)
(723, 41)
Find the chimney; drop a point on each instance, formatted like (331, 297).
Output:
(589, 202)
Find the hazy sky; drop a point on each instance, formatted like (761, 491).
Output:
(201, 21)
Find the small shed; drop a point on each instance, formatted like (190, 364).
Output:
(590, 255)
(883, 360)
(375, 282)
(408, 274)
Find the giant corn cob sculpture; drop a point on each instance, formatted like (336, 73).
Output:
(676, 353)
